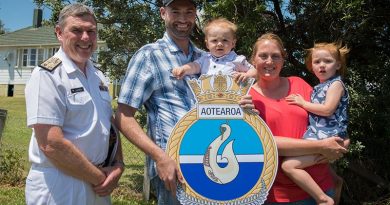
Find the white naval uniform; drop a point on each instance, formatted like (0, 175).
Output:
(81, 105)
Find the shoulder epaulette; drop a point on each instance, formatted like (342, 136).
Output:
(51, 63)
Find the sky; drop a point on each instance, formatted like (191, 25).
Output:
(18, 14)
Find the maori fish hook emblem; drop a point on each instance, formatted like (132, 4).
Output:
(221, 175)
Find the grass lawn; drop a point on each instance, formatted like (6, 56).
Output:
(16, 136)
(11, 195)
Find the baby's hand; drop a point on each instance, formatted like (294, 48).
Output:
(295, 99)
(239, 77)
(178, 73)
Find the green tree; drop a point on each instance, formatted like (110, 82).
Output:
(125, 25)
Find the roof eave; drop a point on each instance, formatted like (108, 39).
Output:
(40, 45)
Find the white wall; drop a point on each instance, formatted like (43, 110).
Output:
(9, 74)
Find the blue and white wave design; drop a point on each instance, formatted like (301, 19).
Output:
(250, 171)
(247, 147)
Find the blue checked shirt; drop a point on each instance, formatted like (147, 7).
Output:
(149, 82)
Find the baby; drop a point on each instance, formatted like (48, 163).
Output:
(220, 38)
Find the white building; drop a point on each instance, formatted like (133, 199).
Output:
(22, 50)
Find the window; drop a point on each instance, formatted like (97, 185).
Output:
(31, 57)
(40, 56)
(51, 52)
(25, 55)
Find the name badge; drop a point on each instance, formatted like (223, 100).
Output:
(77, 90)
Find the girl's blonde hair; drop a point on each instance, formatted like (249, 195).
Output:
(222, 22)
(335, 49)
(271, 37)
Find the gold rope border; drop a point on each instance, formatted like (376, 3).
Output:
(269, 146)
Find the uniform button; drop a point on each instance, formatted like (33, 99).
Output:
(217, 60)
(215, 66)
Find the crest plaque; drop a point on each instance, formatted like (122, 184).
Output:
(226, 154)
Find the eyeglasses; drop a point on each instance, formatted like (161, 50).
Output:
(274, 57)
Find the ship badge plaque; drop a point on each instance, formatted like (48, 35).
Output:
(226, 154)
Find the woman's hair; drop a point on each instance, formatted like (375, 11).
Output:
(335, 49)
(75, 9)
(271, 37)
(221, 22)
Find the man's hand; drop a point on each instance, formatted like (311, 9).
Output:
(64, 155)
(113, 174)
(168, 172)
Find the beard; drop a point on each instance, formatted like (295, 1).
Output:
(179, 32)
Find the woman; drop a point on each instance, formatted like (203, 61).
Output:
(289, 121)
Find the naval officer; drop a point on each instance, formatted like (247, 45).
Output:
(69, 109)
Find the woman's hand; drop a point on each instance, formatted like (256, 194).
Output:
(322, 159)
(247, 103)
(333, 148)
(295, 99)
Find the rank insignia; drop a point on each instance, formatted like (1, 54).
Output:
(51, 63)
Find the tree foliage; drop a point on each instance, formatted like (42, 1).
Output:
(125, 25)
(363, 25)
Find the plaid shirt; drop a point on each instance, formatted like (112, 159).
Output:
(149, 82)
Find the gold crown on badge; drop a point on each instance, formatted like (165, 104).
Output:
(219, 89)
